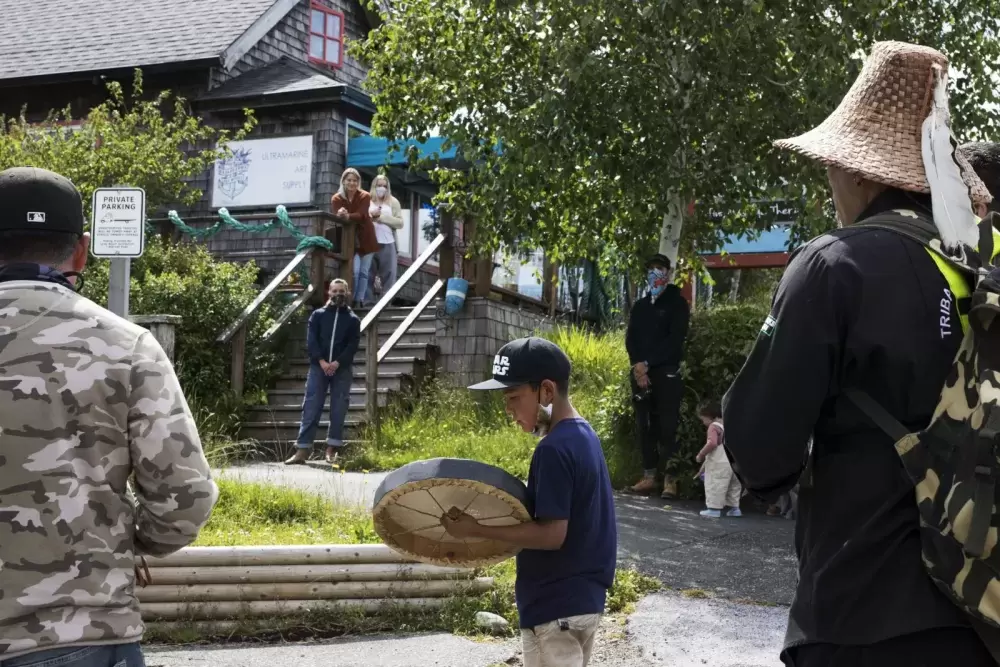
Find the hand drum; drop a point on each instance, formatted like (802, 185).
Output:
(410, 502)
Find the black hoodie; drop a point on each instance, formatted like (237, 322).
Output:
(656, 330)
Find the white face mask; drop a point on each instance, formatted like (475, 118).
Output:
(380, 191)
(543, 421)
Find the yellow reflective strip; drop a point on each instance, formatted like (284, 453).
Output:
(956, 283)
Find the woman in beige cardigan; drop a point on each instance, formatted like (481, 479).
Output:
(386, 214)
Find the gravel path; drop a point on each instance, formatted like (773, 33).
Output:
(429, 650)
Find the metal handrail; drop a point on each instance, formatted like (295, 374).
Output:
(373, 353)
(288, 312)
(266, 292)
(387, 298)
(405, 325)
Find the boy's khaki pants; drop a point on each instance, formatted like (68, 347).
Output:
(566, 642)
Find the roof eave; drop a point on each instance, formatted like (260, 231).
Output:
(332, 95)
(113, 73)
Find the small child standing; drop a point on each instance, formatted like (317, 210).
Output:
(722, 487)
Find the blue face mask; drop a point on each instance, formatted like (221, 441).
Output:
(657, 280)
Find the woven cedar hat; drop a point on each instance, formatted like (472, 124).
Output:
(875, 133)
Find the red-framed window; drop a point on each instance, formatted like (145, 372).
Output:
(326, 35)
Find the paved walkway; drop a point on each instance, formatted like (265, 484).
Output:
(741, 563)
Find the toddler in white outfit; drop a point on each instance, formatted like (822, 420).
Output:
(722, 488)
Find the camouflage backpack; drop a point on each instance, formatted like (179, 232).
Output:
(954, 462)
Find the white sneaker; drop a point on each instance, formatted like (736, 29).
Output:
(711, 514)
(735, 512)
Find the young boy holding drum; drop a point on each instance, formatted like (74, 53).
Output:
(568, 556)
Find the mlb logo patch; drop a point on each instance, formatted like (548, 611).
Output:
(36, 216)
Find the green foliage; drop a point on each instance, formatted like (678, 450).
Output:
(451, 422)
(127, 140)
(260, 514)
(602, 109)
(150, 143)
(628, 588)
(208, 294)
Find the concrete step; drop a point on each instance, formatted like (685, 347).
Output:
(276, 397)
(419, 334)
(387, 324)
(405, 364)
(290, 412)
(393, 381)
(287, 431)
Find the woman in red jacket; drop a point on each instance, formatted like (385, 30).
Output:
(352, 202)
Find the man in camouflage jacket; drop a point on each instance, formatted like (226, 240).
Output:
(87, 399)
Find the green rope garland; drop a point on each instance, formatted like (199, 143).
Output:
(227, 221)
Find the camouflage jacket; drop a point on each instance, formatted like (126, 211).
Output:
(86, 400)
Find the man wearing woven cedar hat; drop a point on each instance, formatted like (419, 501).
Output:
(870, 311)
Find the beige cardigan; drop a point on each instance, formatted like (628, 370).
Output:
(394, 221)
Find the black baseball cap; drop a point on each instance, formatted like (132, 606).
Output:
(527, 361)
(33, 199)
(658, 259)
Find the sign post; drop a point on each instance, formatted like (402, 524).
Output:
(118, 233)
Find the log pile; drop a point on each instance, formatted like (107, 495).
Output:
(212, 583)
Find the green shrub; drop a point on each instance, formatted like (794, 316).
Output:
(208, 294)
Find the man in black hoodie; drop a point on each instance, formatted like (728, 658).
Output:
(332, 340)
(655, 344)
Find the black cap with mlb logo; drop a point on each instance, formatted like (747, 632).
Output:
(527, 361)
(33, 199)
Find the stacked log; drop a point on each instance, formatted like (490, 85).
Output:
(211, 583)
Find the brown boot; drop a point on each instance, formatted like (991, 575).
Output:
(669, 488)
(298, 458)
(645, 486)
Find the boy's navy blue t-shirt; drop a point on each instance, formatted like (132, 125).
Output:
(569, 480)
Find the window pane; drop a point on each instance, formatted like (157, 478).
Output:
(332, 52)
(425, 220)
(316, 47)
(333, 26)
(317, 22)
(404, 237)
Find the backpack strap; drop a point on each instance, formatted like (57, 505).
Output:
(874, 411)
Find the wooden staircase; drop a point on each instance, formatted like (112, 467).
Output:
(275, 426)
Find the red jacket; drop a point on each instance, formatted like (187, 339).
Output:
(357, 210)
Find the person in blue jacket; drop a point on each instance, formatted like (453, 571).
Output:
(332, 340)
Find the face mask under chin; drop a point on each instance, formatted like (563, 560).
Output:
(543, 420)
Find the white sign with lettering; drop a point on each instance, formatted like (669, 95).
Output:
(118, 222)
(265, 172)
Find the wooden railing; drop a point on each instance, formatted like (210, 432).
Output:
(235, 334)
(369, 326)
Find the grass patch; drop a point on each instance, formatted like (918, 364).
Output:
(260, 514)
(456, 423)
(630, 586)
(695, 594)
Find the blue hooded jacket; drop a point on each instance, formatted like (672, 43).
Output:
(333, 335)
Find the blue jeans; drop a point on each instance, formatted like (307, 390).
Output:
(317, 384)
(121, 655)
(362, 269)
